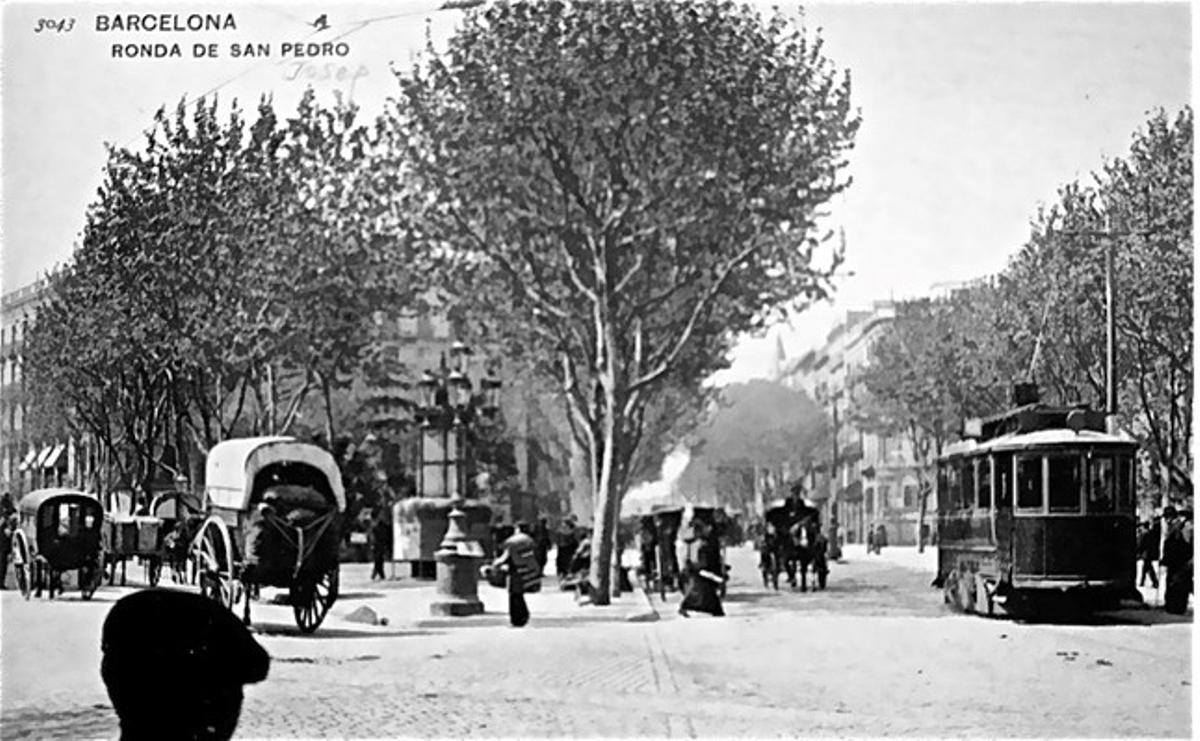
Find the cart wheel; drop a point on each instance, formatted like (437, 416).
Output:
(212, 555)
(21, 564)
(311, 601)
(154, 567)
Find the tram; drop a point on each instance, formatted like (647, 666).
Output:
(1036, 513)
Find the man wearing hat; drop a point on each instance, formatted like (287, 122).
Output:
(174, 664)
(519, 561)
(1177, 558)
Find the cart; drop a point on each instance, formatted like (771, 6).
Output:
(667, 521)
(59, 530)
(275, 506)
(131, 536)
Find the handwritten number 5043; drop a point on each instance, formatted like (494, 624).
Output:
(59, 25)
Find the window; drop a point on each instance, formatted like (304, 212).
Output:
(1002, 463)
(953, 486)
(943, 487)
(967, 500)
(984, 477)
(870, 498)
(910, 496)
(1029, 482)
(1125, 485)
(884, 491)
(1102, 483)
(1065, 482)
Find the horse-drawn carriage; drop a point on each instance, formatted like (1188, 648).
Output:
(275, 509)
(791, 542)
(59, 530)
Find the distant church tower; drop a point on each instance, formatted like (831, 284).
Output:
(778, 361)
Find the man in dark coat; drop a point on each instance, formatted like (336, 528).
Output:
(1177, 558)
(381, 540)
(568, 542)
(174, 664)
(8, 523)
(543, 542)
(1147, 551)
(519, 559)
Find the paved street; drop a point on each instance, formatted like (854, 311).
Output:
(876, 654)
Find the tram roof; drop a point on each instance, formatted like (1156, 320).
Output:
(1059, 438)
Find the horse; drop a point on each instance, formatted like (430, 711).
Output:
(808, 546)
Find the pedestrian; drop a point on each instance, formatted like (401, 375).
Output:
(870, 540)
(381, 541)
(568, 542)
(705, 574)
(174, 664)
(648, 549)
(1149, 535)
(518, 560)
(543, 543)
(8, 523)
(881, 538)
(1177, 558)
(820, 558)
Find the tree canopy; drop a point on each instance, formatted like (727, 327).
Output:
(634, 184)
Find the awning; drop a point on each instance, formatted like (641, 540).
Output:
(853, 492)
(42, 456)
(29, 458)
(55, 454)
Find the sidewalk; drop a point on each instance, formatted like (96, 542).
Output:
(406, 603)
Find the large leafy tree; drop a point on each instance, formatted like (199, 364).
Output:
(765, 429)
(227, 269)
(1141, 207)
(633, 182)
(937, 363)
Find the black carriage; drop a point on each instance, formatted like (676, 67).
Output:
(275, 510)
(1036, 511)
(59, 531)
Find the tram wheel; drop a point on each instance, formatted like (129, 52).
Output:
(966, 593)
(983, 600)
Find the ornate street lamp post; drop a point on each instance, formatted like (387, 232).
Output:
(439, 530)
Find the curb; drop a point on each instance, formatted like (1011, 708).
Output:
(649, 614)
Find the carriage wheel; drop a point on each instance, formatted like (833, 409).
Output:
(212, 555)
(90, 576)
(21, 564)
(311, 601)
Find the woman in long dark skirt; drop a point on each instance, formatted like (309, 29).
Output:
(705, 575)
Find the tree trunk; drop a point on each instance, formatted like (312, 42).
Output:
(600, 571)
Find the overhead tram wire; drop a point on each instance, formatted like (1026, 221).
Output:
(356, 26)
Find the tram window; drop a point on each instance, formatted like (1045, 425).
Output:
(1029, 482)
(1003, 466)
(1125, 485)
(943, 490)
(1065, 483)
(967, 499)
(1101, 494)
(953, 486)
(985, 483)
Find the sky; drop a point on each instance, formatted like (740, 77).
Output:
(972, 115)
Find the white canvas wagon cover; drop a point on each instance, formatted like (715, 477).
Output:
(233, 464)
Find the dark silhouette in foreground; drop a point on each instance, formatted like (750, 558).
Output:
(174, 664)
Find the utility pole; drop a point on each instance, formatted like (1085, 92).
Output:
(835, 546)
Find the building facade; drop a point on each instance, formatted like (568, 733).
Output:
(26, 462)
(874, 481)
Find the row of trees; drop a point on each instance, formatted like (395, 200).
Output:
(227, 275)
(607, 193)
(1043, 317)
